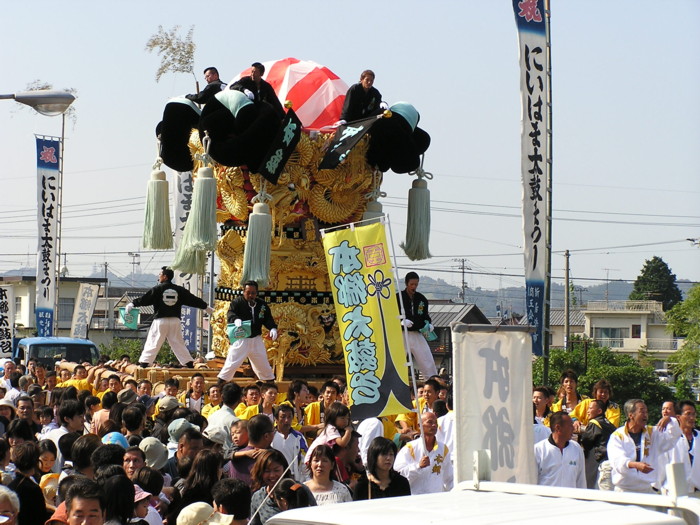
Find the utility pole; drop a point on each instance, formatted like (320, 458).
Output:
(134, 263)
(108, 309)
(607, 282)
(567, 333)
(463, 269)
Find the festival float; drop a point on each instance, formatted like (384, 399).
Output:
(263, 190)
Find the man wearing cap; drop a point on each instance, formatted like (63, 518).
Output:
(190, 442)
(414, 306)
(126, 396)
(167, 300)
(249, 308)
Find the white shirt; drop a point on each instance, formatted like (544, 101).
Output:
(369, 429)
(291, 448)
(224, 418)
(560, 467)
(680, 454)
(436, 477)
(622, 450)
(446, 426)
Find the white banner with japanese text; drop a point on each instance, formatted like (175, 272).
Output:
(7, 320)
(84, 307)
(364, 293)
(530, 19)
(183, 204)
(493, 403)
(48, 166)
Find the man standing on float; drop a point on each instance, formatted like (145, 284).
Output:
(250, 308)
(415, 318)
(167, 300)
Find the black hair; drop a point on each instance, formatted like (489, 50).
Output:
(149, 479)
(335, 411)
(294, 389)
(231, 394)
(212, 69)
(168, 272)
(171, 381)
(20, 428)
(234, 496)
(25, 456)
(293, 493)
(259, 67)
(254, 284)
(322, 451)
(82, 449)
(331, 384)
(65, 444)
(439, 407)
(120, 504)
(258, 426)
(109, 400)
(410, 276)
(85, 489)
(379, 445)
(25, 398)
(132, 418)
(69, 409)
(107, 455)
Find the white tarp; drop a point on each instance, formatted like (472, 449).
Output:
(493, 402)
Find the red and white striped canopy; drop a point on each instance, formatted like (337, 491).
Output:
(317, 94)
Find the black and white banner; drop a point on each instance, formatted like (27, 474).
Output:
(48, 173)
(183, 205)
(530, 19)
(7, 320)
(84, 308)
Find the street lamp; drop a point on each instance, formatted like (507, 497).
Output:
(50, 103)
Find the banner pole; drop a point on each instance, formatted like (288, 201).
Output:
(548, 231)
(404, 330)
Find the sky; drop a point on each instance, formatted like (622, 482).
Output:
(626, 122)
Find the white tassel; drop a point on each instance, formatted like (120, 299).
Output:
(157, 231)
(256, 256)
(200, 229)
(417, 245)
(374, 211)
(190, 261)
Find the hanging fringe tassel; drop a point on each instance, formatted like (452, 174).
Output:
(157, 232)
(199, 235)
(256, 255)
(417, 245)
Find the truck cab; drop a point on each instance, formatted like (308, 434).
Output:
(48, 350)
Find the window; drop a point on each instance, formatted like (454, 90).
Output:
(636, 331)
(65, 309)
(612, 337)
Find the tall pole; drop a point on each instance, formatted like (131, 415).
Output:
(108, 311)
(567, 313)
(210, 333)
(548, 230)
(59, 223)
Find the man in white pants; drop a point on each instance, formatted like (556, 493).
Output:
(250, 308)
(415, 310)
(167, 300)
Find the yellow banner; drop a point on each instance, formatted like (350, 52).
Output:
(364, 292)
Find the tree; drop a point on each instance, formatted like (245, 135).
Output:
(177, 54)
(684, 320)
(656, 283)
(133, 348)
(40, 85)
(628, 377)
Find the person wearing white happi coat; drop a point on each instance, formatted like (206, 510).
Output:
(635, 449)
(560, 461)
(687, 447)
(425, 462)
(446, 424)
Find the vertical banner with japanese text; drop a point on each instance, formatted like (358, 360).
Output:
(183, 204)
(84, 307)
(364, 293)
(7, 320)
(48, 166)
(493, 403)
(534, 89)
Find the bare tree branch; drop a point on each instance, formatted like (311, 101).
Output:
(177, 54)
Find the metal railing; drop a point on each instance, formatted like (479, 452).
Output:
(622, 306)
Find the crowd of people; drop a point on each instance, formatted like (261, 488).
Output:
(581, 443)
(78, 450)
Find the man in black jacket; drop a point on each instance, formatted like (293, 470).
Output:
(260, 89)
(167, 300)
(362, 99)
(250, 308)
(594, 440)
(414, 307)
(214, 85)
